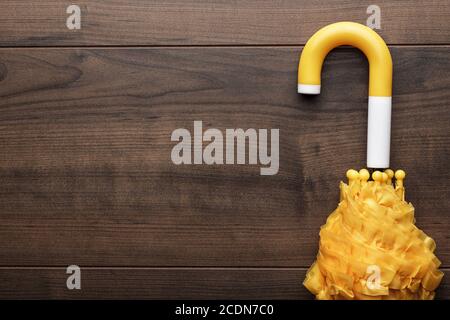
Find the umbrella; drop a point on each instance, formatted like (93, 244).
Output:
(370, 247)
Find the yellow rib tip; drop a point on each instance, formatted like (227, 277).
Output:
(364, 175)
(377, 176)
(390, 174)
(352, 175)
(400, 174)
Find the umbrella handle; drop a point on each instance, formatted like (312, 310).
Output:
(380, 79)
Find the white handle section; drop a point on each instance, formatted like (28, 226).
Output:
(379, 132)
(308, 88)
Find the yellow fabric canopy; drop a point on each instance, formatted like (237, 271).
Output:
(372, 230)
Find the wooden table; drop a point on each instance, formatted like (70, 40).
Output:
(86, 117)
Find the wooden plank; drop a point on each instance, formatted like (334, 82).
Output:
(160, 283)
(181, 22)
(86, 175)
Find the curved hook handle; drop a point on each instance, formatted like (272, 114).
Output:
(380, 79)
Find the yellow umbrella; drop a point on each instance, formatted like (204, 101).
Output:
(369, 246)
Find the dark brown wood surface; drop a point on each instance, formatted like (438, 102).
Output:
(164, 283)
(205, 22)
(85, 171)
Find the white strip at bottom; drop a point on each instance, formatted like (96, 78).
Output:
(308, 88)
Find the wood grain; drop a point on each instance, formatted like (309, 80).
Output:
(181, 22)
(164, 283)
(86, 175)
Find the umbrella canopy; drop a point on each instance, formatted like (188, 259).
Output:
(370, 248)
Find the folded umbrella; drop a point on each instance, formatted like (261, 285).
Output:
(370, 247)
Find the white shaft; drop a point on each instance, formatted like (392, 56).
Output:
(379, 132)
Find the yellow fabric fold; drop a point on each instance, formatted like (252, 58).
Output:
(372, 230)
